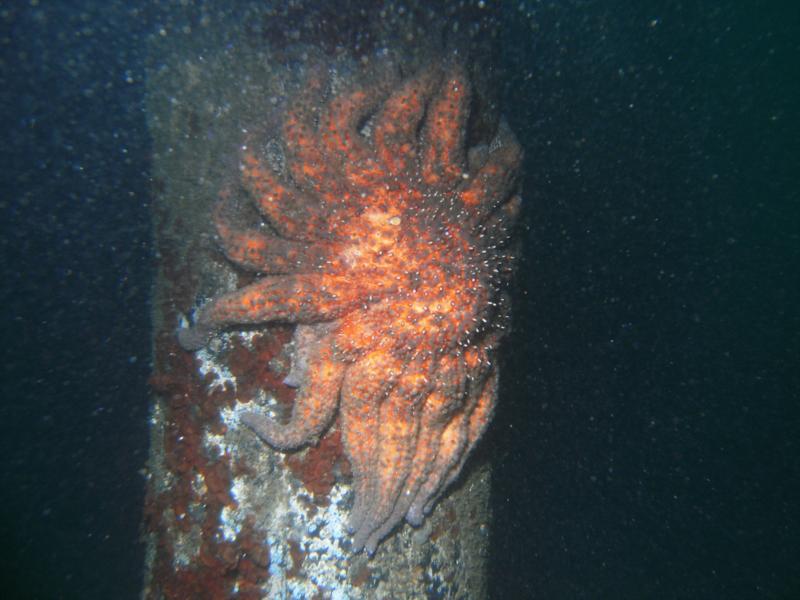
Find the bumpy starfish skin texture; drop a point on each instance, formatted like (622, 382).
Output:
(387, 240)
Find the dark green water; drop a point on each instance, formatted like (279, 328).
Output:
(649, 442)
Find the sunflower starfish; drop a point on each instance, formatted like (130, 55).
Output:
(386, 240)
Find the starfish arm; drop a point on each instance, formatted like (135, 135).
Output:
(314, 406)
(477, 423)
(342, 117)
(398, 431)
(292, 213)
(454, 437)
(437, 410)
(444, 157)
(258, 250)
(304, 298)
(306, 159)
(365, 385)
(495, 180)
(345, 145)
(451, 444)
(396, 127)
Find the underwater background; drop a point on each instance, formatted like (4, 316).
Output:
(646, 442)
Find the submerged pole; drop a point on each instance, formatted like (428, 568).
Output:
(226, 514)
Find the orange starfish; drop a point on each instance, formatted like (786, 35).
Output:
(386, 239)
